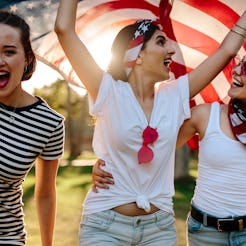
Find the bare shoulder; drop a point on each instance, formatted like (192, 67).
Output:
(196, 124)
(201, 111)
(200, 116)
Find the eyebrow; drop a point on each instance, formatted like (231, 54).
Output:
(161, 36)
(10, 46)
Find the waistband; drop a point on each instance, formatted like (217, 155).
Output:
(110, 215)
(228, 224)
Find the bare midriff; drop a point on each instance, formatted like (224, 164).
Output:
(131, 209)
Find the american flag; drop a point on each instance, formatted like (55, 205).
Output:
(196, 28)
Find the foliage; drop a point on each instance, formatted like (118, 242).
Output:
(74, 107)
(56, 95)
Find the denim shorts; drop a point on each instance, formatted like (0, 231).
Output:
(109, 228)
(200, 235)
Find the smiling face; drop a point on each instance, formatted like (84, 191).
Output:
(157, 56)
(238, 86)
(12, 61)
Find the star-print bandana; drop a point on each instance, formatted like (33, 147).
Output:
(237, 118)
(137, 42)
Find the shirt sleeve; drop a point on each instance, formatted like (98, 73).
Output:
(103, 93)
(185, 95)
(55, 146)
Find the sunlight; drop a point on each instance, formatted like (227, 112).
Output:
(100, 49)
(45, 75)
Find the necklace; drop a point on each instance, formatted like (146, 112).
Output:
(11, 117)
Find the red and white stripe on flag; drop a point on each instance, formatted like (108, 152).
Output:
(196, 27)
(199, 27)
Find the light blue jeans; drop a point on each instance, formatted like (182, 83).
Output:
(109, 228)
(200, 235)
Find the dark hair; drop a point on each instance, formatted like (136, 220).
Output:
(116, 66)
(17, 22)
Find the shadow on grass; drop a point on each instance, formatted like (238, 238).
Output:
(28, 194)
(83, 186)
(80, 176)
(74, 169)
(63, 171)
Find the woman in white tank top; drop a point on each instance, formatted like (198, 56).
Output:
(218, 211)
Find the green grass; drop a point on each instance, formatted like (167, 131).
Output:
(72, 185)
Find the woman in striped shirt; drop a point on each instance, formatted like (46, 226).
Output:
(30, 131)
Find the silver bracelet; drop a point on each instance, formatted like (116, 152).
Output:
(239, 33)
(241, 27)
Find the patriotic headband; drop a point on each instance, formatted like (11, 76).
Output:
(137, 42)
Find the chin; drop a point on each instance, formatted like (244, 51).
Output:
(232, 93)
(165, 77)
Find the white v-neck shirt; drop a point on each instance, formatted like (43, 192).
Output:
(118, 137)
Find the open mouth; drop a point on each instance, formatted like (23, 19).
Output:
(237, 83)
(4, 78)
(167, 62)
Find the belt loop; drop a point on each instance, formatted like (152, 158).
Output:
(240, 224)
(205, 219)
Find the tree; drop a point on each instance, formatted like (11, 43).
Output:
(182, 157)
(74, 108)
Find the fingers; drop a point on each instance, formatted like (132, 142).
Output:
(94, 188)
(97, 171)
(100, 178)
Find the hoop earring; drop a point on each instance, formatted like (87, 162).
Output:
(25, 69)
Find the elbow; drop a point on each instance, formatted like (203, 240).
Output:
(60, 28)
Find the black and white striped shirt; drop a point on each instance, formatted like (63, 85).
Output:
(25, 134)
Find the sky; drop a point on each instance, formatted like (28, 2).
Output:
(44, 75)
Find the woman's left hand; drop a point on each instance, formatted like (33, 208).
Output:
(100, 178)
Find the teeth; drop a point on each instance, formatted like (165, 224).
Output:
(237, 83)
(3, 73)
(167, 62)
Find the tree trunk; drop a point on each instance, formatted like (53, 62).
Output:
(182, 156)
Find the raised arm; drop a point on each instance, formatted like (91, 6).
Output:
(81, 60)
(210, 68)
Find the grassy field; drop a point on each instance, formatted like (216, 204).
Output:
(72, 185)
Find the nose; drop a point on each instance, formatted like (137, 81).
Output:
(171, 50)
(236, 70)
